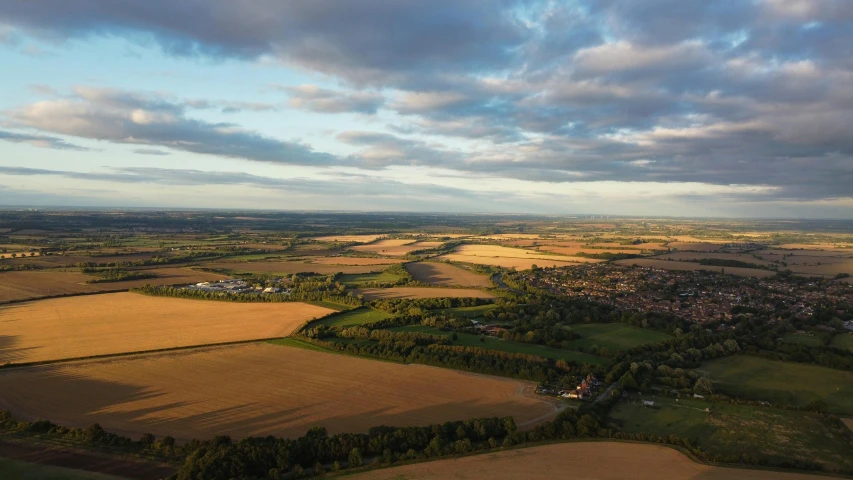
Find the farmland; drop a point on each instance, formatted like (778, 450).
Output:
(349, 238)
(127, 322)
(675, 265)
(33, 284)
(366, 278)
(359, 316)
(395, 247)
(420, 292)
(783, 382)
(492, 343)
(843, 340)
(258, 389)
(485, 253)
(444, 274)
(598, 460)
(734, 430)
(289, 268)
(20, 470)
(613, 336)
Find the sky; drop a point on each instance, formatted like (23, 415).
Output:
(616, 107)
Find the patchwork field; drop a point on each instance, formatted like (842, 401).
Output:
(33, 284)
(675, 265)
(127, 322)
(49, 261)
(510, 257)
(289, 268)
(258, 389)
(446, 275)
(395, 247)
(695, 246)
(589, 461)
(349, 238)
(734, 430)
(786, 382)
(420, 292)
(351, 261)
(696, 256)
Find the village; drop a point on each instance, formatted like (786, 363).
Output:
(699, 296)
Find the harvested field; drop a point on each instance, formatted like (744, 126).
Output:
(352, 261)
(73, 260)
(395, 247)
(31, 285)
(446, 275)
(76, 327)
(421, 292)
(349, 238)
(586, 250)
(694, 246)
(289, 268)
(674, 265)
(591, 461)
(510, 257)
(518, 263)
(259, 389)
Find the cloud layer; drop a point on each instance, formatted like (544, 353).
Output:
(753, 93)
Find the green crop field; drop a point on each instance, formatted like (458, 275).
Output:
(804, 339)
(843, 340)
(359, 316)
(18, 470)
(733, 430)
(782, 382)
(492, 343)
(613, 336)
(469, 312)
(365, 278)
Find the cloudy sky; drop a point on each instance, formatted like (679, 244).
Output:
(637, 107)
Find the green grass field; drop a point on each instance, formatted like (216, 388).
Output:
(469, 312)
(359, 316)
(18, 470)
(492, 343)
(614, 336)
(843, 340)
(782, 382)
(354, 279)
(731, 430)
(804, 339)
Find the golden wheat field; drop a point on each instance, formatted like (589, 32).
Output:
(510, 257)
(349, 238)
(420, 292)
(395, 247)
(259, 389)
(446, 275)
(33, 284)
(75, 327)
(675, 265)
(587, 461)
(352, 261)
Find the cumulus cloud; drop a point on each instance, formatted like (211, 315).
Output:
(155, 121)
(316, 99)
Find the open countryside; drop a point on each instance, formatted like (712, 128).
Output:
(128, 322)
(259, 389)
(444, 274)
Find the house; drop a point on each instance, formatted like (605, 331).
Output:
(696, 395)
(272, 290)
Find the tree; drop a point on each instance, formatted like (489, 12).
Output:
(703, 386)
(355, 458)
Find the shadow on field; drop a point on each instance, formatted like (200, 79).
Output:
(428, 273)
(9, 351)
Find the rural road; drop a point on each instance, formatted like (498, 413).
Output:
(498, 281)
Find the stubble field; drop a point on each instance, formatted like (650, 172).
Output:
(127, 322)
(395, 247)
(33, 284)
(445, 274)
(676, 265)
(510, 257)
(589, 461)
(259, 389)
(420, 292)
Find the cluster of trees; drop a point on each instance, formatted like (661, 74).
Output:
(402, 306)
(306, 296)
(106, 275)
(725, 262)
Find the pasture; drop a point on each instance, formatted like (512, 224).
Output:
(613, 336)
(675, 265)
(586, 460)
(807, 339)
(445, 274)
(358, 316)
(493, 343)
(732, 430)
(259, 389)
(352, 279)
(33, 284)
(420, 292)
(843, 340)
(782, 382)
(113, 323)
